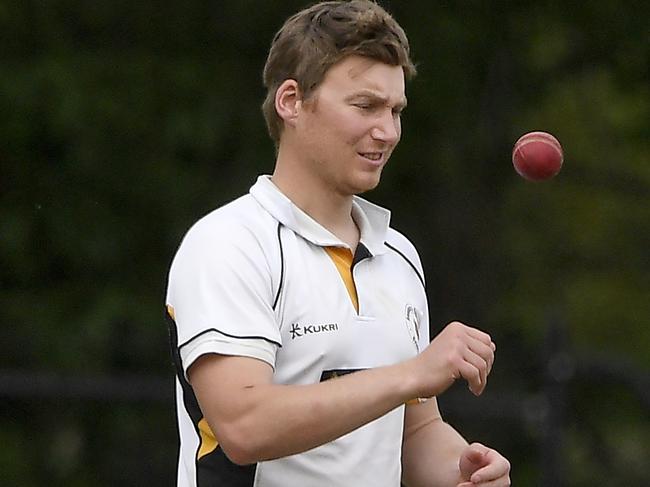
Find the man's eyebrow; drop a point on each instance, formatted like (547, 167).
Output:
(375, 97)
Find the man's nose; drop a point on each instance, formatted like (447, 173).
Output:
(387, 129)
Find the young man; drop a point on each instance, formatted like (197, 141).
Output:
(298, 316)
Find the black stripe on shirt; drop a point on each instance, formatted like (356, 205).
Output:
(409, 262)
(277, 295)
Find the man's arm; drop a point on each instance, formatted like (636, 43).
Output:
(435, 454)
(431, 448)
(254, 419)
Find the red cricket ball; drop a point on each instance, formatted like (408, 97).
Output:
(537, 156)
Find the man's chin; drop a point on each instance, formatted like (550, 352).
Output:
(367, 183)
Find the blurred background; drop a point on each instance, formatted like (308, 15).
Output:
(122, 122)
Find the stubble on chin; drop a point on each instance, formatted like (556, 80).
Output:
(366, 183)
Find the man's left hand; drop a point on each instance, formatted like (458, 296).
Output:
(482, 466)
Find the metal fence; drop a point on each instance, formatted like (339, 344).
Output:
(546, 410)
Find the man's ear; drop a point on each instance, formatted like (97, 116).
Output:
(288, 101)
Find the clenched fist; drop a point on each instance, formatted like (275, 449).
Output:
(459, 351)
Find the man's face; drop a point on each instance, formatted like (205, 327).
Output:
(350, 125)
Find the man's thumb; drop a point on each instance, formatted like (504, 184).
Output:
(471, 460)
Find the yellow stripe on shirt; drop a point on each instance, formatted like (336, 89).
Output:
(208, 441)
(342, 258)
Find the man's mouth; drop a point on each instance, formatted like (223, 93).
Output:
(373, 156)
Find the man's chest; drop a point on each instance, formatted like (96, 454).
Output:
(323, 334)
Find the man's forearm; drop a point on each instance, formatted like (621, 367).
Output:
(430, 454)
(267, 421)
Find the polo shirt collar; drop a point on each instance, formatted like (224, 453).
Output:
(371, 219)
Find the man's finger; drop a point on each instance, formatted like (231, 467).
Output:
(479, 335)
(481, 365)
(484, 351)
(472, 375)
(496, 469)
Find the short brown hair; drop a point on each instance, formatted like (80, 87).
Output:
(316, 38)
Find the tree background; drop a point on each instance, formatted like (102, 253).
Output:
(123, 122)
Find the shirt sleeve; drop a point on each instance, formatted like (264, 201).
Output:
(220, 295)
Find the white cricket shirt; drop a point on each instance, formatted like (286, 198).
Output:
(253, 278)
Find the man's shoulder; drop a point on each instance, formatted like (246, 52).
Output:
(243, 212)
(397, 242)
(238, 222)
(400, 242)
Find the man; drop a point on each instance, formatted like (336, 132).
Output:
(298, 316)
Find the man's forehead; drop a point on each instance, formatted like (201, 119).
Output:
(368, 75)
(357, 66)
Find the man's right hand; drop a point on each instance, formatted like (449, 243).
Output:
(459, 351)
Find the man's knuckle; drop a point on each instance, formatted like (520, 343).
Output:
(453, 360)
(456, 326)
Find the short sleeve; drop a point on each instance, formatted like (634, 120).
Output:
(220, 294)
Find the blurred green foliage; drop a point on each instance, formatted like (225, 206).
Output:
(124, 122)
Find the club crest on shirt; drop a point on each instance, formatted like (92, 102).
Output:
(412, 320)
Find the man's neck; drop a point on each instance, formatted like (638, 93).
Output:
(332, 210)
